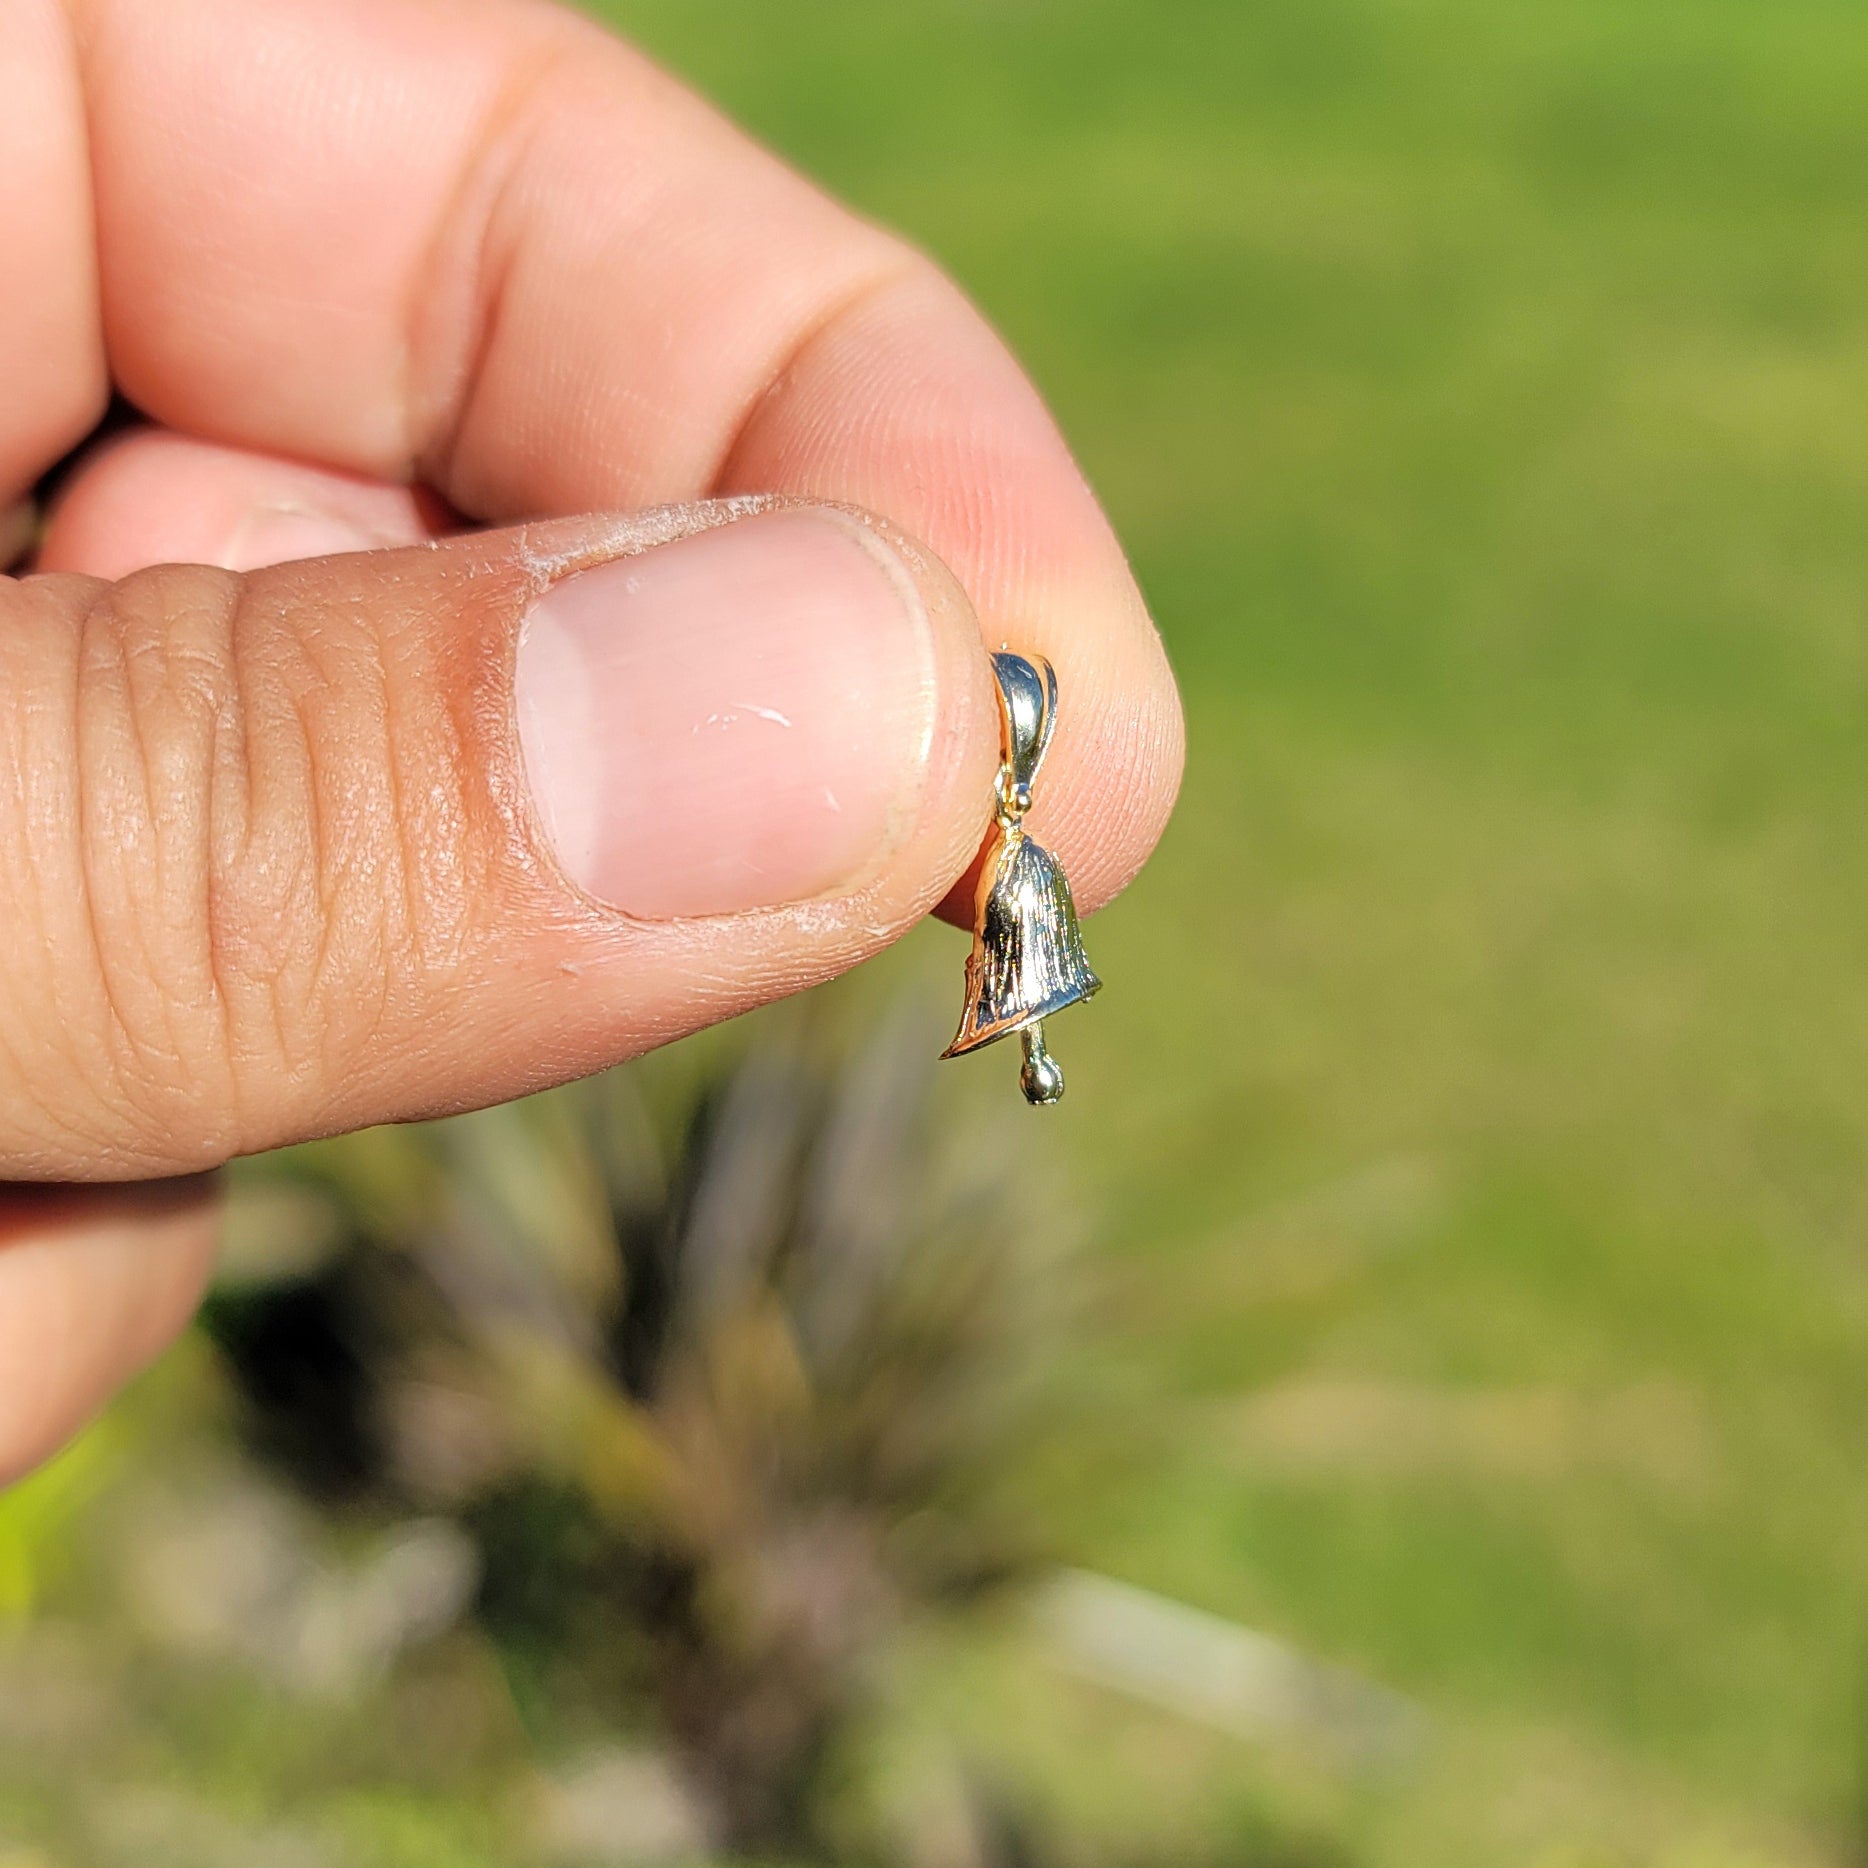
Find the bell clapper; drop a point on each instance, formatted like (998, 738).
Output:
(1041, 1077)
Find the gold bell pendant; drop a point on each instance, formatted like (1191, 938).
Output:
(1027, 961)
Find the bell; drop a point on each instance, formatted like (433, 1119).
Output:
(1027, 962)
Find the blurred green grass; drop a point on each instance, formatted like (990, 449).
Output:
(1477, 1104)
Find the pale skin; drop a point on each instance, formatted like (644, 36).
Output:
(269, 865)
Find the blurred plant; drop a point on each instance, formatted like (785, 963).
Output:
(719, 1362)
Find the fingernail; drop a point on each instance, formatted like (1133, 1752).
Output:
(737, 720)
(281, 533)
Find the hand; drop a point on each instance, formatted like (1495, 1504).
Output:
(290, 847)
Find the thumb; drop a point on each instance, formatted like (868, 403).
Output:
(386, 835)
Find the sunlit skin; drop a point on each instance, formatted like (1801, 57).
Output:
(333, 251)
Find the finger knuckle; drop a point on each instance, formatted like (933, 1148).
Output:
(227, 906)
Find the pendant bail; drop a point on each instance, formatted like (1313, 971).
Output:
(1027, 719)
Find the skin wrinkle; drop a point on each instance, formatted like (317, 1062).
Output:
(110, 629)
(799, 343)
(231, 778)
(425, 736)
(62, 1127)
(331, 864)
(255, 911)
(212, 694)
(88, 843)
(228, 752)
(430, 942)
(27, 847)
(433, 424)
(373, 871)
(170, 660)
(313, 863)
(267, 794)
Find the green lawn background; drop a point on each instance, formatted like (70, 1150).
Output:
(1477, 1107)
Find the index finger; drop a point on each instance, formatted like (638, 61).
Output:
(487, 245)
